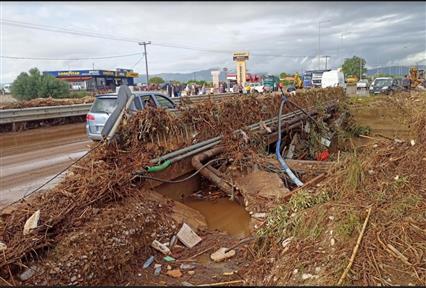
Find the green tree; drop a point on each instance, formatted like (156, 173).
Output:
(354, 66)
(283, 75)
(35, 85)
(156, 80)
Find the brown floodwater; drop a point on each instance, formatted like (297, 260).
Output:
(224, 215)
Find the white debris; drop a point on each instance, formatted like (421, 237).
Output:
(221, 254)
(375, 146)
(187, 236)
(295, 271)
(412, 142)
(332, 241)
(3, 246)
(286, 242)
(27, 274)
(259, 215)
(160, 247)
(396, 177)
(32, 222)
(317, 269)
(331, 218)
(371, 172)
(309, 276)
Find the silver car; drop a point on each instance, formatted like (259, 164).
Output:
(105, 104)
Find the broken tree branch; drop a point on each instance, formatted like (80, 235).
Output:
(358, 242)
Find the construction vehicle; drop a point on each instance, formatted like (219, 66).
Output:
(294, 80)
(351, 80)
(416, 77)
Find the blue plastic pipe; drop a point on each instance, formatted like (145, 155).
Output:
(280, 159)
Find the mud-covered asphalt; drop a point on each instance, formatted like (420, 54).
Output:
(29, 158)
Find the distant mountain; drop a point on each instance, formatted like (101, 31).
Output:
(392, 70)
(185, 77)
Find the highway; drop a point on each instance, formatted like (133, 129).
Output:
(31, 157)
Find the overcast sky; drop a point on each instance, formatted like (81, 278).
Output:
(392, 33)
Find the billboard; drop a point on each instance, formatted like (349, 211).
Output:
(241, 56)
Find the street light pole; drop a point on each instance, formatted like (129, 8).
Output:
(319, 42)
(326, 58)
(146, 59)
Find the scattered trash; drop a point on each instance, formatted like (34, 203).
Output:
(184, 283)
(331, 218)
(187, 236)
(3, 246)
(307, 128)
(325, 142)
(371, 172)
(332, 241)
(375, 146)
(192, 272)
(259, 215)
(309, 276)
(157, 270)
(186, 266)
(176, 273)
(323, 156)
(228, 273)
(32, 222)
(148, 262)
(412, 142)
(396, 177)
(398, 140)
(169, 259)
(221, 254)
(160, 247)
(169, 267)
(173, 241)
(27, 274)
(286, 242)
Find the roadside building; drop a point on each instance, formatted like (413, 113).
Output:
(91, 80)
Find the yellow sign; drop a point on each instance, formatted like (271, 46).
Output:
(241, 56)
(69, 73)
(132, 74)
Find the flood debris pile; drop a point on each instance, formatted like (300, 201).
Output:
(87, 211)
(364, 225)
(42, 102)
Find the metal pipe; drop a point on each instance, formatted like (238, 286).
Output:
(197, 164)
(216, 140)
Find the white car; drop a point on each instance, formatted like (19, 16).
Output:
(362, 84)
(257, 87)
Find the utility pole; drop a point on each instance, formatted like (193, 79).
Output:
(93, 66)
(146, 59)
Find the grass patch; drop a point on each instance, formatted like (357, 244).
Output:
(355, 174)
(346, 227)
(403, 206)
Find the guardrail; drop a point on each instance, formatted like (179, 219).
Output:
(8, 116)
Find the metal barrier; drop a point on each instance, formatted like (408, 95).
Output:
(50, 112)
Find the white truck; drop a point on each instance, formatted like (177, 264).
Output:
(333, 78)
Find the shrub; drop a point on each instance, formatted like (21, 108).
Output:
(32, 85)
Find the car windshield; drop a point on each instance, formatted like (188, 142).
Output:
(104, 105)
(382, 82)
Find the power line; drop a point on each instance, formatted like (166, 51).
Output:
(110, 37)
(65, 59)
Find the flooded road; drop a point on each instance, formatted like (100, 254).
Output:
(31, 157)
(223, 215)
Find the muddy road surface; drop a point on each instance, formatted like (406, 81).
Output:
(30, 158)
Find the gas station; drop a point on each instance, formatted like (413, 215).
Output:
(92, 80)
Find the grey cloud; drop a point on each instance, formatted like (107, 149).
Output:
(379, 31)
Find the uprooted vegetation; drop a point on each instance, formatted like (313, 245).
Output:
(310, 240)
(96, 220)
(101, 182)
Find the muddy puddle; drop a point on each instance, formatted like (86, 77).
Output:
(223, 214)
